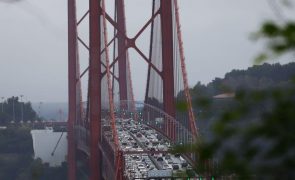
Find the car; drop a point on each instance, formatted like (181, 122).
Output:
(159, 136)
(140, 166)
(131, 170)
(133, 131)
(155, 142)
(167, 156)
(149, 137)
(170, 161)
(175, 166)
(138, 161)
(161, 147)
(151, 168)
(160, 159)
(135, 157)
(181, 159)
(184, 164)
(166, 166)
(177, 155)
(143, 171)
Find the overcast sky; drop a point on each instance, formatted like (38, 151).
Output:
(33, 42)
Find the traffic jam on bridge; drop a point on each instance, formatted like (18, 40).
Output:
(136, 137)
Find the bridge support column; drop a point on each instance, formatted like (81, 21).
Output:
(95, 88)
(122, 52)
(72, 85)
(167, 61)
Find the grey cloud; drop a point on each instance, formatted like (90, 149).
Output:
(10, 1)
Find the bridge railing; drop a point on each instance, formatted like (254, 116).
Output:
(164, 125)
(156, 118)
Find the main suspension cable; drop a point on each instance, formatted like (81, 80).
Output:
(111, 103)
(192, 119)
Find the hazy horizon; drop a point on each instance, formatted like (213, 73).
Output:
(33, 58)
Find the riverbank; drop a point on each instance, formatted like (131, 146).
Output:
(17, 158)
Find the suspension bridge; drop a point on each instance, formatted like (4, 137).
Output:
(110, 134)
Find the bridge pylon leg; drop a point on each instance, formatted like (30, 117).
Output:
(72, 84)
(168, 66)
(95, 88)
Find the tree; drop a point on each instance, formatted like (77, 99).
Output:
(14, 110)
(280, 35)
(254, 138)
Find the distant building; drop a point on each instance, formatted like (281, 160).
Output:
(224, 96)
(3, 127)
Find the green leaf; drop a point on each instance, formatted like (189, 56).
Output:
(260, 58)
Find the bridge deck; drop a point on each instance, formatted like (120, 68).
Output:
(145, 151)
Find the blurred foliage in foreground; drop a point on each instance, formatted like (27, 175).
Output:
(279, 35)
(281, 40)
(255, 139)
(247, 130)
(251, 126)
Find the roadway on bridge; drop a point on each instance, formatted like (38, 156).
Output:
(135, 137)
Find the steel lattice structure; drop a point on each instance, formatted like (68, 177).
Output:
(110, 92)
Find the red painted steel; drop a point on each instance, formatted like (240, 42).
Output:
(98, 28)
(150, 53)
(83, 17)
(122, 50)
(120, 166)
(131, 89)
(119, 171)
(192, 118)
(72, 66)
(128, 70)
(167, 58)
(95, 89)
(109, 84)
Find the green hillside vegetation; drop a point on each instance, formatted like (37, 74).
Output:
(248, 133)
(258, 77)
(261, 79)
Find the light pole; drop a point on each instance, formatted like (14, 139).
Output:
(22, 107)
(40, 109)
(2, 103)
(13, 112)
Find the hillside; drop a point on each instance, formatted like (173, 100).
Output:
(222, 95)
(258, 77)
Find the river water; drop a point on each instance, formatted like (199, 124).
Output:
(44, 143)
